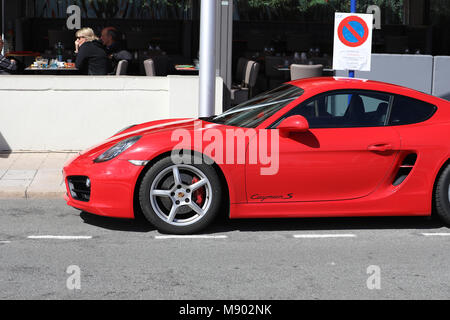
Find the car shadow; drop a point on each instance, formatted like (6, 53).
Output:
(222, 224)
(325, 224)
(132, 225)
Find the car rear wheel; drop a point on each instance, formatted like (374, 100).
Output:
(442, 196)
(180, 198)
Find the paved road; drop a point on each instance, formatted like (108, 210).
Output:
(246, 259)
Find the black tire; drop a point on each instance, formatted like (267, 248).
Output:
(442, 201)
(147, 205)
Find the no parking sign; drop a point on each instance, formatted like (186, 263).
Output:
(352, 41)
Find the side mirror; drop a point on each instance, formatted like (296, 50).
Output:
(295, 123)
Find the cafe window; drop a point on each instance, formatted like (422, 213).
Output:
(166, 31)
(288, 26)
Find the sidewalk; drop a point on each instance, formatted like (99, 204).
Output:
(32, 175)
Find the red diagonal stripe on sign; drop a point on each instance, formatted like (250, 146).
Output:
(353, 32)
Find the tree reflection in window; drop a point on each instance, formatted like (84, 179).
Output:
(117, 9)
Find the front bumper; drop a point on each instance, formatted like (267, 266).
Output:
(112, 186)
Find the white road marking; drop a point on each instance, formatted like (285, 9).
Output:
(60, 237)
(5, 241)
(317, 236)
(190, 237)
(438, 234)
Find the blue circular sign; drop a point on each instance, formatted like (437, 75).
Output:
(353, 31)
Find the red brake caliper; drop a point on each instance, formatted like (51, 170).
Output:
(198, 195)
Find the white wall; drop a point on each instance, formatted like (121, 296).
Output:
(414, 71)
(73, 112)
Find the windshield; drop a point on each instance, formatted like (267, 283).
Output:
(253, 112)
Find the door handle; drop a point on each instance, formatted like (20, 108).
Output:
(381, 147)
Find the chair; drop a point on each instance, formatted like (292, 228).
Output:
(301, 71)
(381, 113)
(251, 75)
(355, 111)
(161, 63)
(122, 67)
(240, 70)
(149, 67)
(242, 93)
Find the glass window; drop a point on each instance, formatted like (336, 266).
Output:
(253, 112)
(407, 111)
(343, 109)
(312, 10)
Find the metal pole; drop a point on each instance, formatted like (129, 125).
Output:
(351, 73)
(3, 25)
(207, 58)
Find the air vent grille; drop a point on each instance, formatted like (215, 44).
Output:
(405, 168)
(80, 187)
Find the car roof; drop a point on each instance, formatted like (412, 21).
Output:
(322, 84)
(314, 86)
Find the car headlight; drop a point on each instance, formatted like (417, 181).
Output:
(117, 149)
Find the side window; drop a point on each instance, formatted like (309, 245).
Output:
(344, 109)
(408, 110)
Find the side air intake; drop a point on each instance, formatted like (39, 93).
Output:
(405, 168)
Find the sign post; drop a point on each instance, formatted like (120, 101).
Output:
(351, 73)
(352, 46)
(207, 72)
(3, 25)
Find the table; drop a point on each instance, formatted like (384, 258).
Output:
(38, 70)
(326, 71)
(24, 58)
(186, 68)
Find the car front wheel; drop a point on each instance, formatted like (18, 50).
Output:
(180, 198)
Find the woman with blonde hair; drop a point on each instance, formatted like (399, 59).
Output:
(91, 56)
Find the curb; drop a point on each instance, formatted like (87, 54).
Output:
(24, 194)
(45, 194)
(32, 176)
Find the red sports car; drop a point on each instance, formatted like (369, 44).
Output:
(318, 147)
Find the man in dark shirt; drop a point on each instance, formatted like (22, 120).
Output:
(6, 65)
(113, 46)
(111, 40)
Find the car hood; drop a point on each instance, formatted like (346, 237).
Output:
(151, 128)
(154, 127)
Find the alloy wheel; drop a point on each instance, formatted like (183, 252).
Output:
(181, 195)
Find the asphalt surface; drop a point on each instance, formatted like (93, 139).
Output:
(240, 259)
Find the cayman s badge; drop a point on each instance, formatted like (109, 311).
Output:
(272, 197)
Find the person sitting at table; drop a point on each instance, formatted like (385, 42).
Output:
(6, 66)
(113, 45)
(91, 58)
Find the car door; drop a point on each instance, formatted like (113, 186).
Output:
(346, 154)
